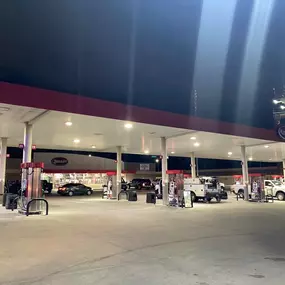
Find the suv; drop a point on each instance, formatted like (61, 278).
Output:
(140, 183)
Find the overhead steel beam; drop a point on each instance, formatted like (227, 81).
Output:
(261, 144)
(182, 134)
(38, 117)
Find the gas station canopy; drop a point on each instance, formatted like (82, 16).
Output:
(66, 131)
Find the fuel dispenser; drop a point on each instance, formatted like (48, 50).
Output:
(176, 185)
(31, 198)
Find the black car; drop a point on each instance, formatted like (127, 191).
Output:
(71, 189)
(140, 183)
(46, 186)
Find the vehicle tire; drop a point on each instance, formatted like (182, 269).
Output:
(280, 196)
(218, 199)
(89, 192)
(70, 193)
(194, 198)
(241, 193)
(139, 187)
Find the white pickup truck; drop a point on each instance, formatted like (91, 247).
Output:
(271, 187)
(204, 188)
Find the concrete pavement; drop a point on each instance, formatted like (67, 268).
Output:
(86, 240)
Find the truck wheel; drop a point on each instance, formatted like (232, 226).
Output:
(218, 199)
(241, 193)
(280, 196)
(193, 196)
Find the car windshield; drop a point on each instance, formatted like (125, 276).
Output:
(277, 183)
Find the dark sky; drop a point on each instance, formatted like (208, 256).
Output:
(217, 59)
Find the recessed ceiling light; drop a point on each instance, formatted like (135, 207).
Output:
(89, 155)
(250, 158)
(172, 152)
(146, 151)
(266, 146)
(230, 153)
(128, 125)
(196, 144)
(93, 146)
(76, 140)
(68, 124)
(193, 138)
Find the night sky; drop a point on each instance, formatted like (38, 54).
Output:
(214, 58)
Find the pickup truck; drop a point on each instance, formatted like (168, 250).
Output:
(271, 187)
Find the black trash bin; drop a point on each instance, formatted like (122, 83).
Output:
(224, 195)
(132, 196)
(11, 201)
(4, 199)
(151, 198)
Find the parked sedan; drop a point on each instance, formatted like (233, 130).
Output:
(71, 189)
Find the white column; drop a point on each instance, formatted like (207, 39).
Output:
(283, 165)
(27, 151)
(193, 165)
(119, 170)
(3, 164)
(244, 171)
(163, 171)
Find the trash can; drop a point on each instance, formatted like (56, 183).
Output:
(105, 191)
(132, 196)
(151, 198)
(224, 195)
(11, 201)
(4, 199)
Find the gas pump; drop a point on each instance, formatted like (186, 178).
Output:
(171, 191)
(109, 187)
(176, 187)
(256, 190)
(31, 195)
